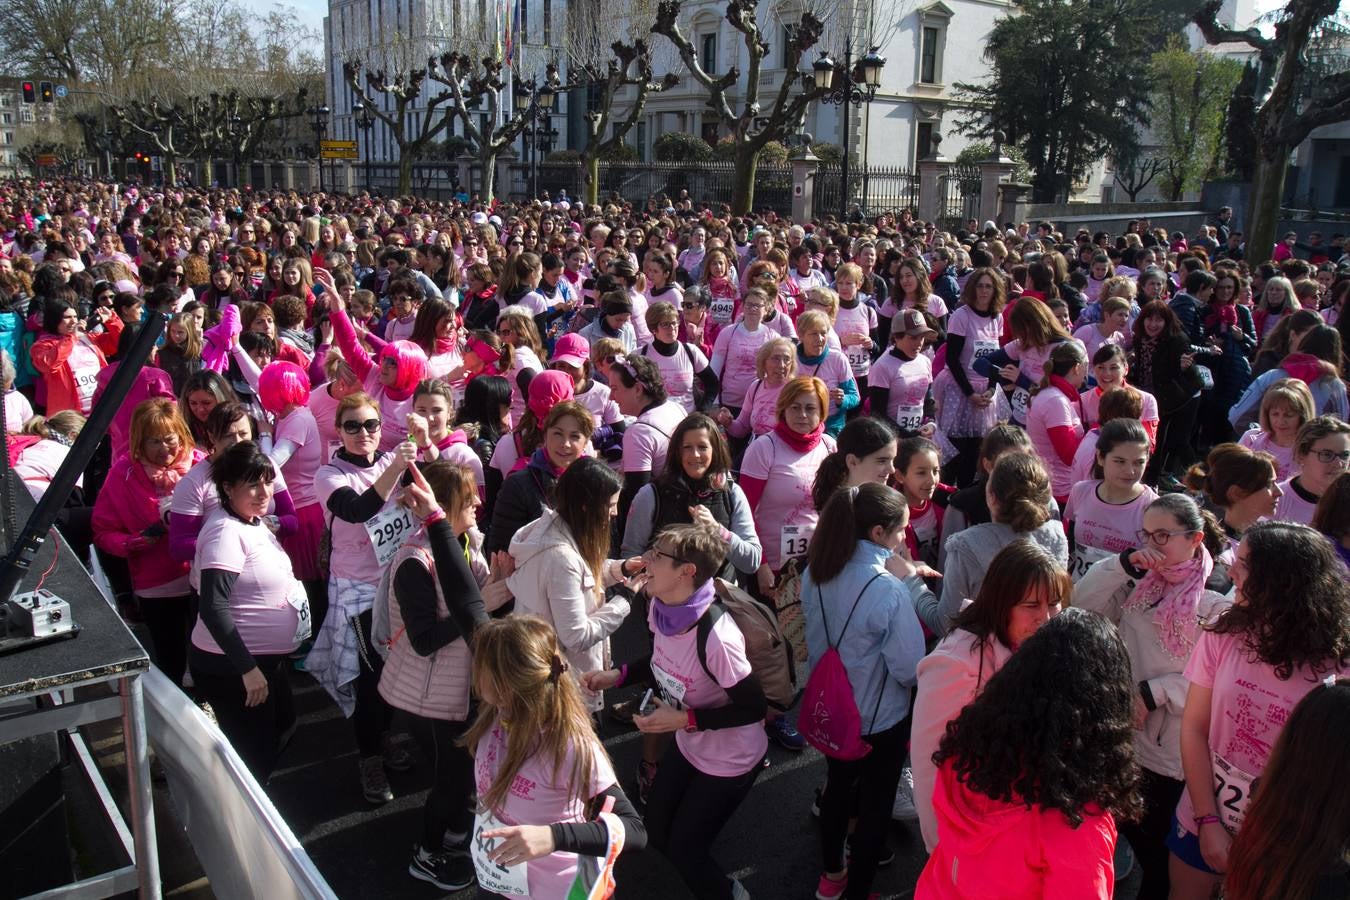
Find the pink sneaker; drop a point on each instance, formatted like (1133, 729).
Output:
(829, 889)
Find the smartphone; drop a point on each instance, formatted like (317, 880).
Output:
(646, 707)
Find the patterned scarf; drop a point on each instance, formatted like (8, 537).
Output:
(1174, 594)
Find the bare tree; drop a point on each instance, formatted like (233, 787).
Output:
(1134, 172)
(1298, 99)
(42, 36)
(405, 90)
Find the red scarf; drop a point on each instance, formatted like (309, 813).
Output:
(802, 443)
(1068, 390)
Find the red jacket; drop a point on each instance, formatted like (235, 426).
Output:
(988, 848)
(49, 358)
(127, 505)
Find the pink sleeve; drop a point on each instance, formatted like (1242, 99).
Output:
(183, 531)
(350, 345)
(1204, 660)
(216, 341)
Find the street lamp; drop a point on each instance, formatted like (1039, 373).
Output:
(320, 124)
(237, 133)
(540, 100)
(847, 84)
(365, 120)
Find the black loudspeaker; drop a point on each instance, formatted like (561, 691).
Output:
(34, 838)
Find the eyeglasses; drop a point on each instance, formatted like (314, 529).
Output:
(169, 440)
(657, 551)
(1330, 456)
(689, 304)
(1160, 537)
(351, 426)
(673, 323)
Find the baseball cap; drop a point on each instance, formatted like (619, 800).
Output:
(572, 349)
(911, 322)
(547, 390)
(479, 218)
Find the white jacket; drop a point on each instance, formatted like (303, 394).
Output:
(553, 582)
(1157, 742)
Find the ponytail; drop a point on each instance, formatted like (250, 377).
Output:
(849, 517)
(1063, 358)
(861, 437)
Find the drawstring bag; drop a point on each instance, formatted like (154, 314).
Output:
(829, 719)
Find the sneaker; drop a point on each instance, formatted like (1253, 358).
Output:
(397, 755)
(448, 871)
(784, 735)
(884, 858)
(902, 810)
(829, 889)
(374, 783)
(645, 779)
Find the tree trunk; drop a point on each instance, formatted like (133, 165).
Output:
(405, 164)
(590, 179)
(208, 170)
(170, 173)
(743, 180)
(487, 162)
(1263, 210)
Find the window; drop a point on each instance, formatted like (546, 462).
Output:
(7, 118)
(789, 34)
(923, 144)
(928, 62)
(9, 137)
(524, 24)
(594, 94)
(708, 57)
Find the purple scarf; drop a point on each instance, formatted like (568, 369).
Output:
(673, 620)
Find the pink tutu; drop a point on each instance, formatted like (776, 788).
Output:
(957, 417)
(303, 546)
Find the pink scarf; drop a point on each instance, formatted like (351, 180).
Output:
(165, 478)
(1174, 594)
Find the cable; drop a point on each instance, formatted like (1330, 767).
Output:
(56, 556)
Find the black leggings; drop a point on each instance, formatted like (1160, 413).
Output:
(1149, 834)
(371, 716)
(169, 621)
(450, 803)
(865, 787)
(685, 811)
(1175, 454)
(257, 732)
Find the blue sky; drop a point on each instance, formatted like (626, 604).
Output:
(309, 12)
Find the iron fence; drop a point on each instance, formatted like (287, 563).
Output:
(959, 196)
(877, 189)
(707, 182)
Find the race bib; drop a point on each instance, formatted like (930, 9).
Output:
(793, 541)
(512, 881)
(388, 529)
(722, 309)
(981, 349)
(672, 688)
(85, 382)
(1083, 558)
(1232, 791)
(1020, 402)
(909, 418)
(859, 358)
(299, 600)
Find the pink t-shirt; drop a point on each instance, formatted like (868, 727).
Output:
(352, 554)
(981, 335)
(908, 382)
(861, 319)
(84, 365)
(734, 359)
(1050, 409)
(1295, 504)
(259, 601)
(535, 798)
(936, 307)
(400, 329)
(927, 530)
(1031, 360)
(522, 358)
(640, 330)
(1101, 529)
(1248, 707)
(678, 371)
(17, 411)
(647, 440)
(834, 370)
(1257, 440)
(683, 683)
(1090, 336)
(1092, 401)
(37, 466)
(786, 501)
(302, 430)
(324, 408)
(596, 399)
(760, 412)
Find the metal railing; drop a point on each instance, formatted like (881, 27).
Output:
(877, 189)
(959, 195)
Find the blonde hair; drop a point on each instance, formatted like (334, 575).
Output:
(825, 297)
(192, 347)
(1291, 392)
(604, 347)
(520, 319)
(67, 423)
(156, 417)
(1119, 286)
(852, 271)
(522, 665)
(813, 317)
(763, 353)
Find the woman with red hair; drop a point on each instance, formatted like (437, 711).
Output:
(389, 377)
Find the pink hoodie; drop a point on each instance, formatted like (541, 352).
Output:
(994, 849)
(127, 505)
(150, 383)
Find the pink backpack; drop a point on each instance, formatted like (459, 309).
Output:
(829, 719)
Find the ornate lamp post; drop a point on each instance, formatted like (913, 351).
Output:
(540, 100)
(365, 120)
(848, 84)
(319, 123)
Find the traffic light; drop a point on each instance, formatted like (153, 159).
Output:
(29, 92)
(47, 95)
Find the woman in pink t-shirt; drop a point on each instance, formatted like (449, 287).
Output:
(777, 473)
(356, 488)
(681, 364)
(1288, 629)
(709, 699)
(733, 359)
(550, 812)
(775, 364)
(1103, 515)
(253, 613)
(1054, 421)
(966, 403)
(437, 332)
(1285, 406)
(388, 378)
(1321, 453)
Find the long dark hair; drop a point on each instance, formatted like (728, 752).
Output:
(1160, 310)
(1295, 603)
(1055, 726)
(1287, 843)
(581, 498)
(1019, 570)
(721, 454)
(429, 315)
(848, 518)
(862, 437)
(482, 407)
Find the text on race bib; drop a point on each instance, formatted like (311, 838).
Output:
(909, 418)
(388, 529)
(511, 881)
(793, 541)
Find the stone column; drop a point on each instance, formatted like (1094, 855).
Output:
(1012, 202)
(804, 166)
(931, 170)
(994, 171)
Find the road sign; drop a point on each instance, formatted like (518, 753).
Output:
(337, 145)
(342, 153)
(46, 159)
(62, 91)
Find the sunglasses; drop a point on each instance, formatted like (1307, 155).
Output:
(690, 304)
(351, 426)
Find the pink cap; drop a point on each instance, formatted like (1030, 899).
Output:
(572, 349)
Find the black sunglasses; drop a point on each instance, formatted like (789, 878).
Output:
(351, 426)
(690, 304)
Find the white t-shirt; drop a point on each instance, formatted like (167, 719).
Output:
(17, 411)
(647, 441)
(678, 371)
(861, 319)
(907, 382)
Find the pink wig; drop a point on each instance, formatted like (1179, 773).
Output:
(282, 384)
(412, 367)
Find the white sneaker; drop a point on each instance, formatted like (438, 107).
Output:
(902, 810)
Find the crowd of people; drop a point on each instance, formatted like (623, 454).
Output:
(1046, 530)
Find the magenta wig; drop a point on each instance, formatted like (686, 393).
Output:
(282, 384)
(412, 367)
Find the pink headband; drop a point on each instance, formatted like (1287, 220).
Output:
(482, 350)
